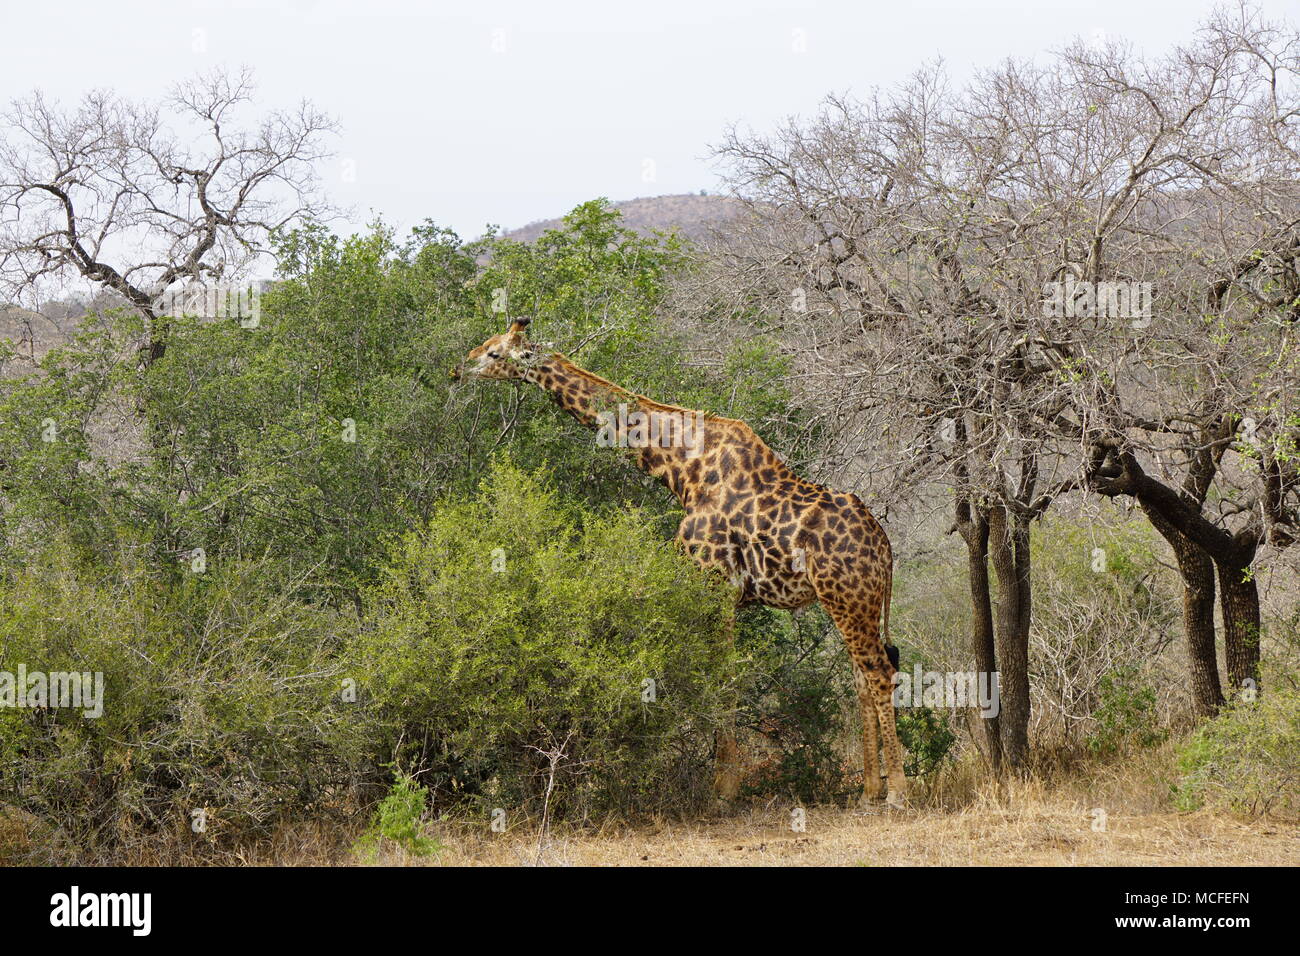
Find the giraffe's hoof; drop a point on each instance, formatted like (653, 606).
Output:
(896, 800)
(871, 801)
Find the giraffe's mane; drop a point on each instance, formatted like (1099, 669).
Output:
(592, 377)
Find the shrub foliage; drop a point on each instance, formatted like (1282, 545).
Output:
(513, 638)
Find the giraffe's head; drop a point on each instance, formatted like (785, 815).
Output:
(501, 357)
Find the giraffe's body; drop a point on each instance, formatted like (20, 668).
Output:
(782, 540)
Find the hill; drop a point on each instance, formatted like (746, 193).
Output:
(690, 214)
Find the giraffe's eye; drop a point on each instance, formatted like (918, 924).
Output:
(494, 355)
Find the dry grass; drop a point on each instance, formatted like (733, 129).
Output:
(1036, 833)
(963, 819)
(1022, 828)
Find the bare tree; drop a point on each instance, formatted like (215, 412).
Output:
(1074, 277)
(1208, 449)
(135, 197)
(886, 223)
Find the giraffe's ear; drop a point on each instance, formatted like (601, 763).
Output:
(519, 324)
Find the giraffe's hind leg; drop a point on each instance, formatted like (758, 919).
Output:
(872, 784)
(857, 616)
(893, 751)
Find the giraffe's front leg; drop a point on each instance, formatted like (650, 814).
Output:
(727, 770)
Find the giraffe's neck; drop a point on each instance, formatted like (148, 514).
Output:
(577, 391)
(666, 441)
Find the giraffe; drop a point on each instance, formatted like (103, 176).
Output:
(783, 541)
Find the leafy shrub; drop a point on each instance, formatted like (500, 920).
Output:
(398, 818)
(220, 703)
(927, 738)
(332, 425)
(1247, 759)
(795, 700)
(1126, 713)
(510, 640)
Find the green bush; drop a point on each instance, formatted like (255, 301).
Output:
(927, 738)
(796, 699)
(1247, 759)
(398, 818)
(332, 424)
(511, 641)
(221, 704)
(1126, 713)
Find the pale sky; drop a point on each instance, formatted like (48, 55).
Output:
(508, 112)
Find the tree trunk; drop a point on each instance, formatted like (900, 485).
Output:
(1009, 549)
(974, 529)
(1198, 626)
(1231, 553)
(1240, 605)
(1197, 572)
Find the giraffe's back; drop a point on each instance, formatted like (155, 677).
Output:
(748, 514)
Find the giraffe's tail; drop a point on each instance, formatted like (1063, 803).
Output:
(890, 650)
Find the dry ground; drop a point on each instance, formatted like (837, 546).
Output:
(1046, 831)
(1051, 834)
(962, 822)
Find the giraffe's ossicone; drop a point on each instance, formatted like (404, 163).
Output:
(782, 540)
